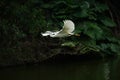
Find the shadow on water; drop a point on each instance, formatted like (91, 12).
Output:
(75, 70)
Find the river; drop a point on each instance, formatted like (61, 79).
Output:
(74, 70)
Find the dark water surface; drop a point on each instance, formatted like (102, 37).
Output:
(75, 70)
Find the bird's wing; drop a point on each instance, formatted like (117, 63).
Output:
(47, 33)
(69, 27)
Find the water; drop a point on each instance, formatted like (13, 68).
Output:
(76, 70)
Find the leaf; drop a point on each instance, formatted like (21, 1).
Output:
(85, 5)
(114, 47)
(104, 46)
(108, 22)
(69, 44)
(112, 39)
(84, 13)
(93, 30)
(77, 14)
(61, 17)
(60, 2)
(47, 6)
(100, 7)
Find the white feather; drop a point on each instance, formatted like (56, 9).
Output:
(67, 30)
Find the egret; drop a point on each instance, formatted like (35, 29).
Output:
(67, 30)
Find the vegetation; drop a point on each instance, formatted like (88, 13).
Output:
(21, 23)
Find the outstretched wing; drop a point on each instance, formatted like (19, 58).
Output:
(47, 33)
(68, 27)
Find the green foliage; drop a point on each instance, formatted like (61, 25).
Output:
(92, 21)
(92, 30)
(108, 22)
(69, 44)
(25, 20)
(20, 20)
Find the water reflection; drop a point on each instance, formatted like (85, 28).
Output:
(82, 70)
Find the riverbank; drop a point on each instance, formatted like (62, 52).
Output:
(37, 51)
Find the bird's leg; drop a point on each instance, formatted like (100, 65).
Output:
(77, 34)
(70, 34)
(74, 34)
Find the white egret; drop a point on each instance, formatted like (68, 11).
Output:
(67, 30)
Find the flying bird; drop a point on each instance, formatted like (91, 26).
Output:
(67, 30)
